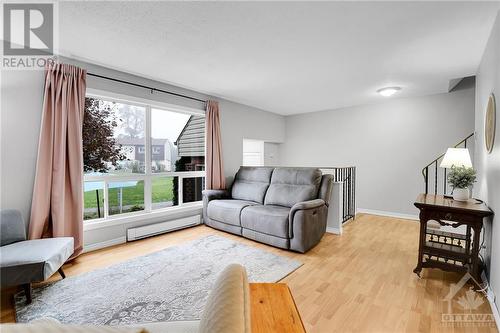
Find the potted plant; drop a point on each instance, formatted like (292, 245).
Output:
(461, 179)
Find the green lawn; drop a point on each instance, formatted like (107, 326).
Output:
(133, 196)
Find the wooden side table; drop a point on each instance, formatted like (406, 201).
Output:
(273, 309)
(447, 250)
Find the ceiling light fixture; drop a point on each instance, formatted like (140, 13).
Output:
(388, 91)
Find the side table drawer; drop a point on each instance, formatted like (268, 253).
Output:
(449, 216)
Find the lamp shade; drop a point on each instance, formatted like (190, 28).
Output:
(456, 157)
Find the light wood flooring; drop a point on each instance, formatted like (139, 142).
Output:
(361, 281)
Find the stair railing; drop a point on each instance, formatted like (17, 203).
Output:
(346, 176)
(434, 164)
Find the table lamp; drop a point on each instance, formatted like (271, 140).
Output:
(458, 157)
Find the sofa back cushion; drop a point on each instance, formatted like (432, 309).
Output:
(251, 183)
(292, 185)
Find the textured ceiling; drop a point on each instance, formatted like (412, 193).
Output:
(284, 57)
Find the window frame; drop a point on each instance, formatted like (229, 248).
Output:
(148, 175)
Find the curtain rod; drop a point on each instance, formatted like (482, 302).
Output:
(146, 87)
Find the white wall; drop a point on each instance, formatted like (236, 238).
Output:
(272, 154)
(20, 116)
(389, 143)
(488, 165)
(240, 121)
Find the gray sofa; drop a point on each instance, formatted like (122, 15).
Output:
(282, 207)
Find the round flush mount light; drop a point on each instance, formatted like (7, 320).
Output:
(388, 91)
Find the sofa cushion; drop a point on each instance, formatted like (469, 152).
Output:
(291, 185)
(251, 183)
(227, 211)
(33, 260)
(269, 219)
(228, 305)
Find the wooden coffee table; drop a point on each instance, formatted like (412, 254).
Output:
(273, 309)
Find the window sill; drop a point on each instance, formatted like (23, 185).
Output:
(142, 216)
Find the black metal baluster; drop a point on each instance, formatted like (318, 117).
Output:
(354, 194)
(436, 179)
(344, 193)
(426, 179)
(444, 182)
(350, 193)
(349, 173)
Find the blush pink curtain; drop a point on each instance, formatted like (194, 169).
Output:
(214, 168)
(57, 207)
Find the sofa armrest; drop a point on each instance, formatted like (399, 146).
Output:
(307, 224)
(215, 194)
(209, 195)
(310, 204)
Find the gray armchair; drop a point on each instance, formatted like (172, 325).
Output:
(25, 261)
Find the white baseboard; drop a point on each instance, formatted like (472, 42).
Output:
(491, 299)
(101, 245)
(389, 214)
(335, 231)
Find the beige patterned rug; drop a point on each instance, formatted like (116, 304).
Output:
(171, 284)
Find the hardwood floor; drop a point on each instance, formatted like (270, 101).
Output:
(361, 281)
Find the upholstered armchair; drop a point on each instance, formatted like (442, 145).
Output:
(22, 261)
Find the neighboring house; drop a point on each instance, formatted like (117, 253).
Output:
(191, 152)
(162, 151)
(191, 144)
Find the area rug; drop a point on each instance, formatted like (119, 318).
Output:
(172, 284)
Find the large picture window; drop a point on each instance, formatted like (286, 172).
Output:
(140, 158)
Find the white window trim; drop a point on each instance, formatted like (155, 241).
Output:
(148, 212)
(142, 216)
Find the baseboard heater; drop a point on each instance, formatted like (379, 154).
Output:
(162, 227)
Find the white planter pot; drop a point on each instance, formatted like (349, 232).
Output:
(461, 194)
